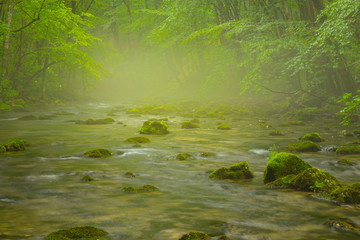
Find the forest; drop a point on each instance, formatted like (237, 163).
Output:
(179, 119)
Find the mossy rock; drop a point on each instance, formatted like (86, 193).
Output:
(292, 123)
(87, 178)
(78, 233)
(348, 150)
(145, 188)
(239, 170)
(307, 146)
(189, 125)
(283, 182)
(343, 225)
(207, 154)
(16, 145)
(129, 174)
(98, 153)
(283, 164)
(223, 126)
(154, 128)
(96, 121)
(137, 140)
(28, 117)
(224, 238)
(347, 195)
(184, 156)
(276, 133)
(195, 236)
(314, 137)
(315, 180)
(47, 117)
(345, 162)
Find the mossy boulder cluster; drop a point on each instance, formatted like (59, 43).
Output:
(74, 233)
(137, 140)
(239, 170)
(154, 128)
(286, 170)
(145, 188)
(14, 145)
(314, 137)
(98, 153)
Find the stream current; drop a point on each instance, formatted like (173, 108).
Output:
(41, 190)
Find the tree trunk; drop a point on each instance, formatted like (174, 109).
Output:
(5, 63)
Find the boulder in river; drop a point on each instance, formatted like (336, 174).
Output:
(239, 170)
(283, 164)
(145, 188)
(343, 225)
(154, 128)
(345, 162)
(86, 232)
(276, 133)
(184, 156)
(189, 125)
(223, 126)
(96, 121)
(348, 150)
(307, 146)
(347, 195)
(98, 153)
(137, 140)
(16, 145)
(195, 236)
(314, 137)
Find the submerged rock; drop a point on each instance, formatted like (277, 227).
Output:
(343, 225)
(239, 170)
(189, 125)
(347, 195)
(96, 121)
(207, 154)
(345, 162)
(16, 145)
(48, 117)
(145, 188)
(307, 146)
(87, 178)
(154, 128)
(348, 150)
(276, 133)
(137, 140)
(98, 153)
(129, 174)
(184, 156)
(223, 126)
(315, 180)
(314, 137)
(195, 236)
(283, 164)
(84, 233)
(28, 117)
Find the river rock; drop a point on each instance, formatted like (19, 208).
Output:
(347, 195)
(307, 146)
(86, 232)
(98, 153)
(154, 128)
(137, 140)
(189, 125)
(239, 170)
(195, 236)
(314, 137)
(145, 188)
(348, 150)
(223, 126)
(283, 164)
(16, 145)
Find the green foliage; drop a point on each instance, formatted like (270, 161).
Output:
(351, 109)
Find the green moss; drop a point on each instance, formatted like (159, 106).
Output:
(315, 180)
(98, 153)
(16, 145)
(283, 182)
(184, 156)
(348, 150)
(307, 146)
(47, 117)
(189, 125)
(2, 148)
(347, 195)
(239, 170)
(276, 133)
(207, 154)
(78, 233)
(314, 136)
(137, 140)
(96, 121)
(223, 126)
(345, 162)
(291, 123)
(28, 117)
(195, 236)
(154, 128)
(283, 164)
(145, 188)
(87, 178)
(224, 238)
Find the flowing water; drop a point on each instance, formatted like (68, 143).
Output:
(41, 190)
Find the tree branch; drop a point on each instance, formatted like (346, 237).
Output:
(32, 21)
